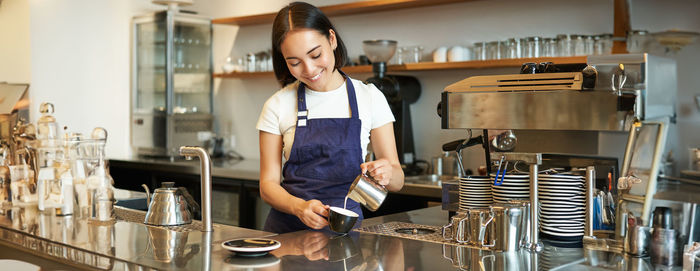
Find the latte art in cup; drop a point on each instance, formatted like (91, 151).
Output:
(345, 212)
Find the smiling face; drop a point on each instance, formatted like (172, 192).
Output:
(310, 59)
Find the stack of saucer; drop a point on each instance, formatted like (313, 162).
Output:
(514, 186)
(474, 192)
(563, 205)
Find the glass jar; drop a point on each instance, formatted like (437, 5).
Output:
(412, 54)
(549, 47)
(638, 41)
(250, 62)
(588, 45)
(479, 51)
(493, 50)
(534, 47)
(417, 54)
(23, 185)
(603, 44)
(578, 46)
(564, 45)
(523, 47)
(513, 48)
(397, 59)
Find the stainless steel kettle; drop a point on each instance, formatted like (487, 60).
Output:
(170, 206)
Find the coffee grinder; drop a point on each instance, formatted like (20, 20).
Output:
(400, 91)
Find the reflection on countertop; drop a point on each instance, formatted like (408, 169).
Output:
(116, 245)
(124, 245)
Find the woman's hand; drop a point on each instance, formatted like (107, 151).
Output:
(312, 213)
(380, 170)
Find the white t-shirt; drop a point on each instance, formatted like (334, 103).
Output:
(279, 114)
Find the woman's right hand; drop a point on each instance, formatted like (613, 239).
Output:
(312, 213)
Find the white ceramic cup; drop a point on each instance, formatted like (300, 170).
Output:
(456, 53)
(440, 54)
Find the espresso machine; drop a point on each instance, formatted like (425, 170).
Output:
(400, 91)
(603, 99)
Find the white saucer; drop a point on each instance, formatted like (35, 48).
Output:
(561, 176)
(251, 246)
(561, 184)
(564, 231)
(514, 177)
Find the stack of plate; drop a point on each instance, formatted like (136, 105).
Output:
(513, 187)
(474, 192)
(563, 205)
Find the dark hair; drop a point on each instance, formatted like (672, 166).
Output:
(301, 15)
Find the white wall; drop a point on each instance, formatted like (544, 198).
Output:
(80, 55)
(14, 42)
(80, 62)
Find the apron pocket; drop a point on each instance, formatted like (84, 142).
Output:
(332, 163)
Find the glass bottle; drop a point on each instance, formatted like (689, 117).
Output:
(47, 128)
(65, 176)
(79, 172)
(49, 156)
(99, 182)
(5, 191)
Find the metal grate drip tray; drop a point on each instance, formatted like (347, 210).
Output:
(426, 233)
(137, 216)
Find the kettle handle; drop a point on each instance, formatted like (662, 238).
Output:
(148, 195)
(194, 206)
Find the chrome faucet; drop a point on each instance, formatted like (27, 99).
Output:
(190, 152)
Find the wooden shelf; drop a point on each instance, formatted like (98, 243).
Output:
(341, 10)
(432, 66)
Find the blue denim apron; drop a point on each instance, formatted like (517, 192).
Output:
(324, 161)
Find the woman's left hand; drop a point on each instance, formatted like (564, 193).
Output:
(379, 169)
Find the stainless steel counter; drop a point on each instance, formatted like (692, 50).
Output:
(249, 169)
(125, 245)
(120, 245)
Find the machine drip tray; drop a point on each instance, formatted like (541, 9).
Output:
(414, 231)
(418, 232)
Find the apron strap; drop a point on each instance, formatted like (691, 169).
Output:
(302, 113)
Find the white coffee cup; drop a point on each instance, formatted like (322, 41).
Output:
(456, 53)
(440, 54)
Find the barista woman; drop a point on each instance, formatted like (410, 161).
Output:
(322, 122)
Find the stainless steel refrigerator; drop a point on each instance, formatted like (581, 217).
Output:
(171, 79)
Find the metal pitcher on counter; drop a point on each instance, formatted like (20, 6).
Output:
(170, 206)
(507, 226)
